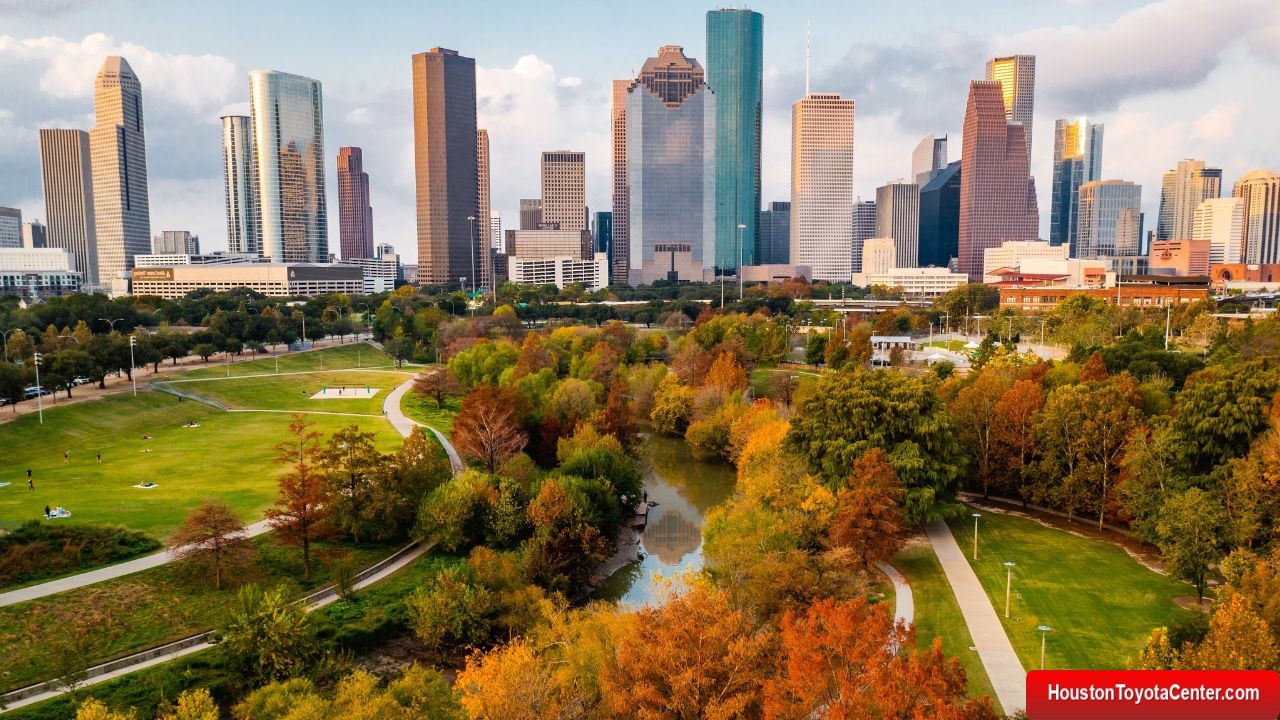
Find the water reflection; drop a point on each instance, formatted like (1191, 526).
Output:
(685, 489)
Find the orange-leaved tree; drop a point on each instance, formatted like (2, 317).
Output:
(486, 428)
(868, 519)
(301, 512)
(214, 537)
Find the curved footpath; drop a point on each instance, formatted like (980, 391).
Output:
(904, 601)
(404, 424)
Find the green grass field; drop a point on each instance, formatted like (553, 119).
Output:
(759, 379)
(1100, 603)
(952, 345)
(424, 411)
(230, 456)
(938, 615)
(352, 355)
(294, 392)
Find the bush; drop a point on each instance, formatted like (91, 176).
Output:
(39, 550)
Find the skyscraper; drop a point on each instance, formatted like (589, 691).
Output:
(930, 154)
(10, 227)
(355, 216)
(122, 216)
(445, 164)
(1077, 159)
(1017, 77)
(175, 242)
(34, 235)
(1110, 221)
(240, 174)
(940, 217)
(996, 196)
(1220, 222)
(619, 259)
(735, 72)
(530, 213)
(602, 233)
(483, 183)
(68, 198)
(564, 189)
(671, 179)
(287, 115)
(495, 231)
(898, 217)
(822, 185)
(1260, 191)
(775, 235)
(1182, 190)
(864, 228)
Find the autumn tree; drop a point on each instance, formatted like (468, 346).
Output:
(1188, 530)
(1237, 640)
(303, 506)
(975, 412)
(213, 537)
(486, 428)
(439, 384)
(353, 467)
(726, 374)
(1094, 369)
(616, 417)
(868, 518)
(1012, 437)
(672, 406)
(782, 386)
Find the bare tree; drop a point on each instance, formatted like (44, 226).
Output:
(486, 428)
(438, 384)
(213, 536)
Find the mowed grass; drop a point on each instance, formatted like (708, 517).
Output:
(424, 410)
(342, 357)
(230, 457)
(938, 615)
(1100, 603)
(294, 392)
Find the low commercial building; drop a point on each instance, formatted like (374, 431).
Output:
(916, 283)
(1180, 257)
(274, 279)
(1240, 276)
(1132, 291)
(217, 258)
(549, 243)
(1011, 254)
(559, 271)
(35, 273)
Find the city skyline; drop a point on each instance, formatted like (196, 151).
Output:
(1188, 104)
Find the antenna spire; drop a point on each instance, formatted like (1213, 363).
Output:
(808, 56)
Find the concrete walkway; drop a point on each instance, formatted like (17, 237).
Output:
(404, 424)
(904, 601)
(994, 649)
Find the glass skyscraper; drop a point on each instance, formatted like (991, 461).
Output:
(940, 217)
(735, 72)
(288, 150)
(1077, 159)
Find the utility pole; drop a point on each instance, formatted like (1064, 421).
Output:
(39, 390)
(133, 341)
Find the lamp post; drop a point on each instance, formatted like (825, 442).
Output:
(975, 534)
(1044, 633)
(741, 227)
(133, 342)
(472, 240)
(111, 323)
(1168, 317)
(39, 390)
(5, 334)
(1008, 586)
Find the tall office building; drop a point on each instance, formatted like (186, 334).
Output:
(240, 177)
(602, 233)
(619, 259)
(175, 242)
(1220, 222)
(1260, 191)
(564, 189)
(940, 217)
(864, 228)
(445, 164)
(68, 198)
(930, 155)
(1110, 220)
(822, 185)
(671, 170)
(775, 235)
(484, 255)
(355, 215)
(10, 227)
(735, 72)
(997, 201)
(530, 213)
(495, 231)
(1017, 77)
(122, 217)
(34, 235)
(898, 217)
(1182, 190)
(1077, 159)
(287, 115)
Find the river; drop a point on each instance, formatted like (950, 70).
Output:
(685, 490)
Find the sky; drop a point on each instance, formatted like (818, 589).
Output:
(1169, 79)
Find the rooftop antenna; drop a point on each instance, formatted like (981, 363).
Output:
(808, 57)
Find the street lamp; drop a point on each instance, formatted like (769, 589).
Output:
(39, 389)
(975, 534)
(741, 227)
(111, 322)
(1044, 633)
(1008, 586)
(5, 334)
(133, 341)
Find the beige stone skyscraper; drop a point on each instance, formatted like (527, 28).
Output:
(620, 251)
(564, 189)
(68, 198)
(481, 223)
(1017, 77)
(122, 216)
(822, 185)
(1260, 191)
(898, 217)
(1182, 190)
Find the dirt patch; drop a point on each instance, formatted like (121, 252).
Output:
(391, 658)
(1191, 602)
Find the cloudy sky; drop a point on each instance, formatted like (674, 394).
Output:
(1169, 79)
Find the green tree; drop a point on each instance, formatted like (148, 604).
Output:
(815, 348)
(352, 465)
(267, 637)
(1189, 535)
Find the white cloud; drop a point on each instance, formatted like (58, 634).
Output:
(1218, 123)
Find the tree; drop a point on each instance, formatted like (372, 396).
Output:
(214, 537)
(975, 414)
(617, 417)
(353, 465)
(485, 428)
(1012, 437)
(1221, 410)
(672, 406)
(400, 347)
(726, 374)
(815, 348)
(782, 386)
(1237, 640)
(1188, 532)
(304, 503)
(452, 613)
(868, 519)
(1094, 369)
(439, 384)
(267, 637)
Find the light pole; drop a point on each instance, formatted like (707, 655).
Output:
(1009, 332)
(133, 341)
(742, 227)
(304, 331)
(472, 240)
(39, 390)
(975, 534)
(1168, 317)
(1008, 586)
(5, 334)
(368, 328)
(1044, 633)
(111, 322)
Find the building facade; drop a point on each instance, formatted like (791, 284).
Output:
(620, 258)
(495, 231)
(355, 215)
(1110, 219)
(122, 215)
(34, 235)
(940, 217)
(548, 243)
(593, 273)
(1220, 222)
(735, 72)
(445, 164)
(10, 227)
(286, 112)
(898, 217)
(240, 180)
(775, 235)
(864, 228)
(176, 242)
(1017, 77)
(1260, 193)
(602, 233)
(930, 155)
(1077, 159)
(1015, 254)
(1179, 257)
(822, 127)
(484, 253)
(918, 283)
(68, 198)
(564, 189)
(272, 279)
(878, 256)
(33, 274)
(997, 199)
(1182, 190)
(530, 213)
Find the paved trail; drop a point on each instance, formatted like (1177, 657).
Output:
(404, 424)
(904, 601)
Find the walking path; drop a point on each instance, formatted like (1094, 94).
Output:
(404, 424)
(372, 368)
(1008, 678)
(904, 601)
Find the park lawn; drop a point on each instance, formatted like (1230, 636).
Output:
(759, 379)
(423, 409)
(1101, 603)
(230, 456)
(294, 392)
(352, 355)
(952, 345)
(101, 622)
(938, 615)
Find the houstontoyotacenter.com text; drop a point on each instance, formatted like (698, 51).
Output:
(1150, 693)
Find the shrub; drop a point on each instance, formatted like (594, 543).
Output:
(37, 550)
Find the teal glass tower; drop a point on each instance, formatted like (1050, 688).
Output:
(735, 72)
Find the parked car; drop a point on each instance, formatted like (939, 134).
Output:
(77, 382)
(32, 392)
